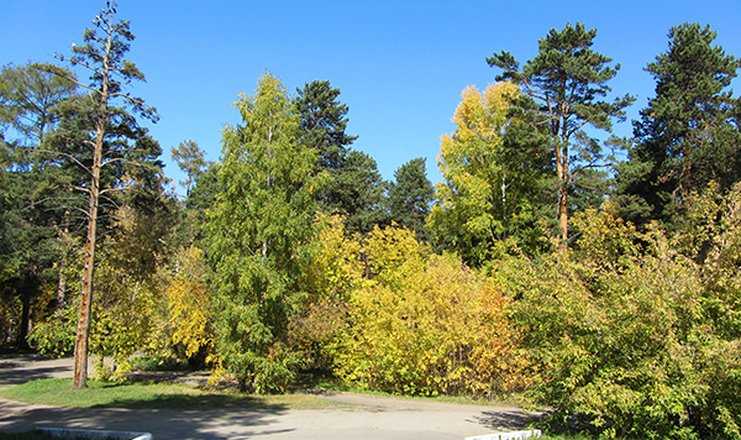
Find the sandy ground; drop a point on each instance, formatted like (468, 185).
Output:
(369, 417)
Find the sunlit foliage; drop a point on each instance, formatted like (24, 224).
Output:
(426, 324)
(494, 168)
(631, 336)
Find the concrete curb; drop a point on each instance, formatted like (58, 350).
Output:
(512, 435)
(94, 434)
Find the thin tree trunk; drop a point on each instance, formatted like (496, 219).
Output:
(61, 288)
(83, 326)
(563, 215)
(25, 326)
(62, 279)
(564, 177)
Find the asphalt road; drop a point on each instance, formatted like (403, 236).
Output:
(366, 418)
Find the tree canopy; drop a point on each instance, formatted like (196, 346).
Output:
(570, 81)
(688, 135)
(609, 296)
(257, 233)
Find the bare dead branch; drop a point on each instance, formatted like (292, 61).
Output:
(116, 189)
(68, 156)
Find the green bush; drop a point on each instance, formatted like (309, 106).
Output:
(633, 334)
(55, 336)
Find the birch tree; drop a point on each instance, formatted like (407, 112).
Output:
(258, 232)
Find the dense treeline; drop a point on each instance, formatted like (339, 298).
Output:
(609, 291)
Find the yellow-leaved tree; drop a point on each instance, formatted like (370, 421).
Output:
(495, 167)
(129, 311)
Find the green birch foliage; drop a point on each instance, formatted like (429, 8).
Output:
(257, 233)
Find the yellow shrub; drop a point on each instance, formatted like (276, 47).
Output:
(188, 301)
(426, 324)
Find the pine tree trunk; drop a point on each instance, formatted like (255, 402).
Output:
(564, 177)
(563, 214)
(563, 194)
(83, 326)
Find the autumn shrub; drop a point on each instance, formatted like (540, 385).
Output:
(127, 315)
(128, 311)
(631, 336)
(189, 304)
(425, 324)
(337, 268)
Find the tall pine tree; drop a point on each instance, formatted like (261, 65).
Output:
(113, 142)
(410, 196)
(31, 197)
(569, 80)
(351, 184)
(689, 133)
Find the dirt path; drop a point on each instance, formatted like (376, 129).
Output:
(370, 417)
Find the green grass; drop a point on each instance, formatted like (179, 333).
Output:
(59, 392)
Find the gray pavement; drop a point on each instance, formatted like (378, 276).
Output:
(365, 418)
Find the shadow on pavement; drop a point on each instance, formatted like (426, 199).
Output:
(207, 424)
(9, 375)
(198, 402)
(505, 420)
(19, 368)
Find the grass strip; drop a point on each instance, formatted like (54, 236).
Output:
(137, 395)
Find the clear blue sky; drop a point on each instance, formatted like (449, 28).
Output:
(401, 65)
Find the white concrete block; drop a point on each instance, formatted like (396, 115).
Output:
(512, 435)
